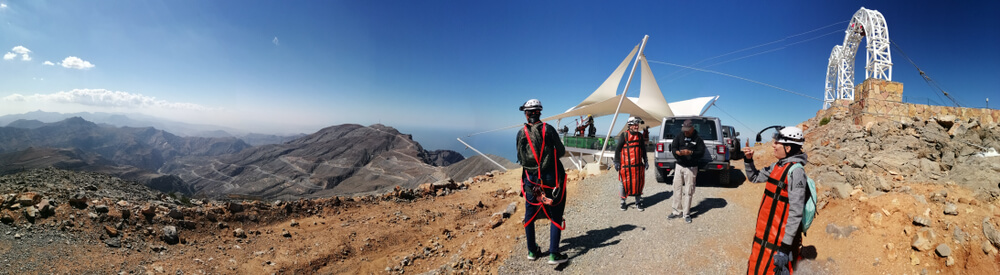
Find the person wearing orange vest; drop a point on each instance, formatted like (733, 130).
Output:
(543, 180)
(631, 162)
(778, 235)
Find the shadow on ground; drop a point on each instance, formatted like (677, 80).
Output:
(594, 239)
(711, 179)
(706, 205)
(656, 198)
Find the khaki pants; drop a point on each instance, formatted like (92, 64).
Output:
(684, 179)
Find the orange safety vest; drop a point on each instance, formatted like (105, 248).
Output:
(632, 173)
(558, 188)
(771, 219)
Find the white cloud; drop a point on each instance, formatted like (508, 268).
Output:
(23, 51)
(275, 41)
(18, 50)
(3, 6)
(74, 62)
(49, 63)
(105, 98)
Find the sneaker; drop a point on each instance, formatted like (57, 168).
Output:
(623, 206)
(532, 255)
(557, 258)
(638, 205)
(673, 216)
(687, 219)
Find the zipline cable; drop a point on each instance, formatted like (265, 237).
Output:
(765, 44)
(737, 77)
(734, 118)
(927, 78)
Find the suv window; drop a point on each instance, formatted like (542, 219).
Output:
(728, 131)
(705, 128)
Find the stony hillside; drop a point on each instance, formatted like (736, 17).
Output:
(60, 221)
(337, 160)
(879, 155)
(905, 196)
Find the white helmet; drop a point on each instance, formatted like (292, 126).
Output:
(790, 135)
(635, 121)
(531, 104)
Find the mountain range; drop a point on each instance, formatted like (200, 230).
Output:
(345, 159)
(35, 118)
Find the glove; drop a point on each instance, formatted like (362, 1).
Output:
(647, 166)
(780, 262)
(618, 166)
(544, 200)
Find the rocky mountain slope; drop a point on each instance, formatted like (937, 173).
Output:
(145, 148)
(346, 159)
(337, 160)
(477, 165)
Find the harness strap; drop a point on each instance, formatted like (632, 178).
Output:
(774, 207)
(779, 197)
(541, 184)
(767, 245)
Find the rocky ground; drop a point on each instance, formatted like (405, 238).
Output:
(878, 215)
(58, 221)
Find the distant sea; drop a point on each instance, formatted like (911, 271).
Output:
(500, 143)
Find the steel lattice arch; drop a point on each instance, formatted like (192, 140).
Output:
(840, 71)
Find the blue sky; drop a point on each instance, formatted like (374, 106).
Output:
(440, 69)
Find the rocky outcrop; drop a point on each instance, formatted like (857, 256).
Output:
(887, 153)
(476, 165)
(442, 158)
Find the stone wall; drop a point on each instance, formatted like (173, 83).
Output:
(880, 100)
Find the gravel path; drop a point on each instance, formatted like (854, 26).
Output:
(602, 239)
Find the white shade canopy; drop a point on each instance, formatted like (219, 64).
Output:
(651, 106)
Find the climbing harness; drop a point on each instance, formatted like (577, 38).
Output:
(557, 188)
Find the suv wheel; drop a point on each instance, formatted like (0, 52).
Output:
(660, 177)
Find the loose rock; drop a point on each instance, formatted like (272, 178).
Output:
(943, 250)
(922, 220)
(239, 233)
(176, 214)
(991, 233)
(951, 209)
(112, 232)
(921, 243)
(510, 210)
(170, 234)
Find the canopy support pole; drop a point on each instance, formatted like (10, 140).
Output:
(615, 118)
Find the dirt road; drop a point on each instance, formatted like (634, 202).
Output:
(602, 239)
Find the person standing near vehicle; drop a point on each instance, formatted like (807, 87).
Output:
(591, 128)
(778, 236)
(543, 180)
(631, 162)
(688, 149)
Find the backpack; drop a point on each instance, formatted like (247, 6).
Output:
(809, 211)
